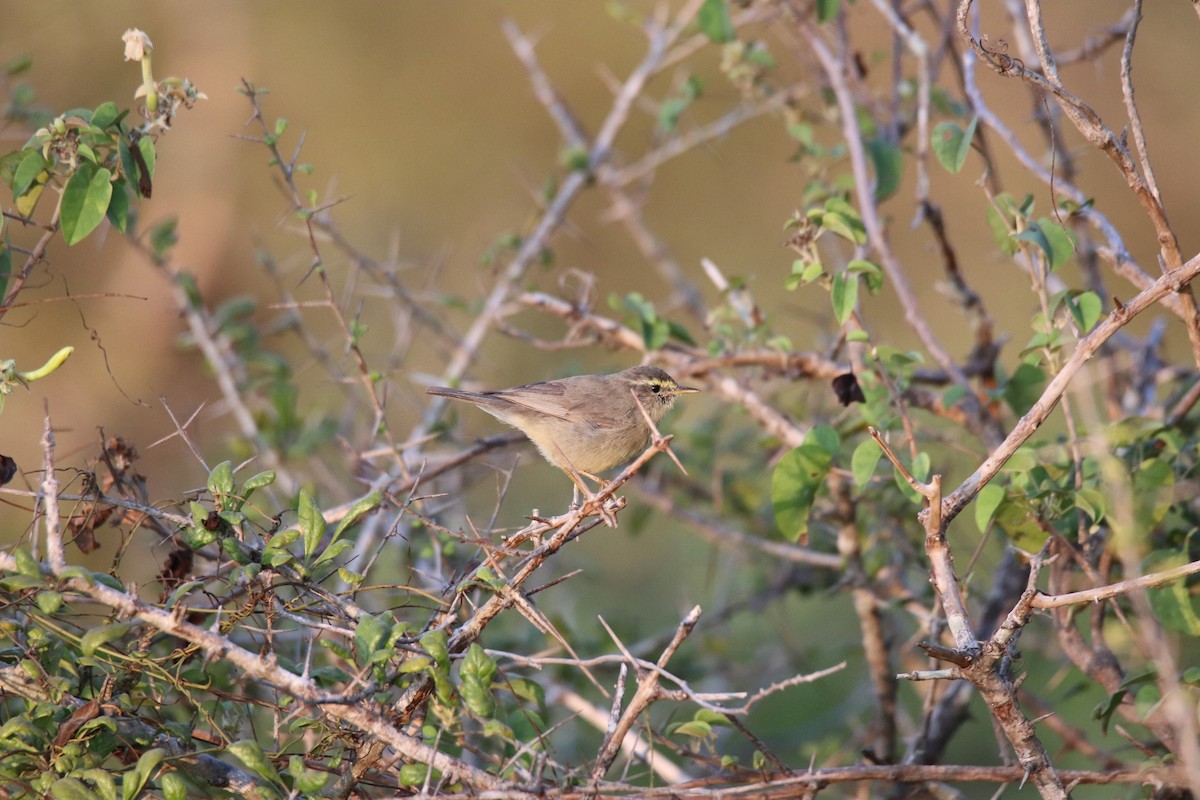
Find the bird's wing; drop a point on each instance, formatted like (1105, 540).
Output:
(540, 398)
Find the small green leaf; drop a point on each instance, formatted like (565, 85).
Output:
(986, 503)
(309, 782)
(30, 167)
(412, 774)
(94, 638)
(1052, 239)
(1090, 310)
(26, 564)
(163, 238)
(844, 296)
(1153, 492)
(105, 114)
(1001, 232)
(369, 634)
(173, 786)
(85, 202)
(889, 167)
(368, 503)
(49, 602)
(840, 217)
(827, 10)
(1024, 388)
(118, 207)
(71, 789)
(695, 728)
(863, 462)
(312, 523)
(133, 781)
(826, 437)
(871, 272)
(333, 551)
(1060, 241)
(5, 271)
(149, 154)
(951, 144)
(715, 22)
(1092, 501)
(478, 672)
(794, 486)
(680, 333)
(1019, 521)
(252, 756)
(17, 65)
(220, 480)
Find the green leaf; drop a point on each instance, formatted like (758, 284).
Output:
(672, 108)
(478, 672)
(1024, 388)
(26, 564)
(1090, 309)
(105, 115)
(695, 728)
(827, 10)
(252, 756)
(844, 296)
(369, 634)
(312, 523)
(1001, 231)
(1092, 501)
(871, 272)
(133, 781)
(864, 460)
(28, 169)
(94, 638)
(1052, 239)
(680, 333)
(1172, 603)
(333, 551)
(265, 478)
(71, 789)
(149, 154)
(85, 202)
(951, 144)
(1153, 492)
(220, 480)
(173, 786)
(118, 207)
(1019, 521)
(841, 218)
(826, 437)
(163, 238)
(17, 65)
(356, 511)
(794, 486)
(308, 782)
(715, 22)
(986, 503)
(1060, 241)
(889, 167)
(412, 774)
(1174, 608)
(5, 272)
(49, 602)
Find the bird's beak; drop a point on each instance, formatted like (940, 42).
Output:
(685, 390)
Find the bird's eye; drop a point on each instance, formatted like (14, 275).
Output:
(656, 388)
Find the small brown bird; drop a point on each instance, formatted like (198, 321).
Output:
(588, 423)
